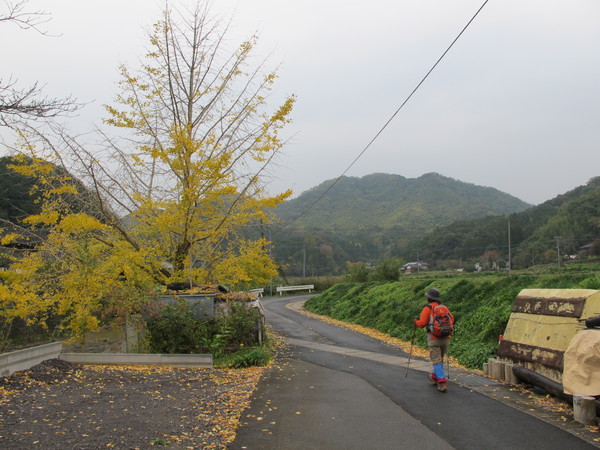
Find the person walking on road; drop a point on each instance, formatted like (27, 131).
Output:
(439, 322)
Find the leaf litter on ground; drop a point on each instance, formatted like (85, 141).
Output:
(63, 405)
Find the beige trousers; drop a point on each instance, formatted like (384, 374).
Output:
(437, 349)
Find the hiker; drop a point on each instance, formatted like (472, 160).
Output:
(439, 322)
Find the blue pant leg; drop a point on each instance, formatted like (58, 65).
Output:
(438, 371)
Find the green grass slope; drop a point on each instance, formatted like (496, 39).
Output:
(481, 304)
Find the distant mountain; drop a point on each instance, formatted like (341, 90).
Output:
(538, 235)
(373, 217)
(411, 206)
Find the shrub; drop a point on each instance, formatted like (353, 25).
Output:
(240, 327)
(387, 269)
(358, 272)
(592, 282)
(257, 356)
(174, 329)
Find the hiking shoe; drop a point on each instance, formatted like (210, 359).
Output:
(442, 387)
(433, 378)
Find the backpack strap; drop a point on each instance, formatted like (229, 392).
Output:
(430, 322)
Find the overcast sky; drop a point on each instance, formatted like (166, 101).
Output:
(514, 105)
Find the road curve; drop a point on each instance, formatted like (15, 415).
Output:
(338, 389)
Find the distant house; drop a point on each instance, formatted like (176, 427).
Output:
(413, 267)
(586, 250)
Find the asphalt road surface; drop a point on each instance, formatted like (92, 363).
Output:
(338, 389)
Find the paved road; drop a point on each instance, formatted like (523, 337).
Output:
(337, 389)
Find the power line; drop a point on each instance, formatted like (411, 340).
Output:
(391, 118)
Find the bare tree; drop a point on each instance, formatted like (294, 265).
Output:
(18, 103)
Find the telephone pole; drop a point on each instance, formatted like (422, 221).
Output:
(304, 261)
(509, 255)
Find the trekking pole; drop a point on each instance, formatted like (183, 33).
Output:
(412, 340)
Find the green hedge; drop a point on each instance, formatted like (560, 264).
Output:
(481, 305)
(174, 329)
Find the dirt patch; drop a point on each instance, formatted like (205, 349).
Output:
(58, 404)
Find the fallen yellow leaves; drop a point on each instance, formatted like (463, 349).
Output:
(126, 406)
(239, 384)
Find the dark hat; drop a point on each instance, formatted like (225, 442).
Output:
(433, 294)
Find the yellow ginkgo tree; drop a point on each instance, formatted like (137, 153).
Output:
(172, 191)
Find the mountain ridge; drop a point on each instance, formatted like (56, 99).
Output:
(434, 218)
(394, 201)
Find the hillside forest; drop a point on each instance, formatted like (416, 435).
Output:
(384, 219)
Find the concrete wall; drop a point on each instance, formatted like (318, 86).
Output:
(143, 359)
(542, 324)
(27, 358)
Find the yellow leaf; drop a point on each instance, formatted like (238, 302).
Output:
(8, 238)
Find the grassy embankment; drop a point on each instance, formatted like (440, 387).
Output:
(481, 304)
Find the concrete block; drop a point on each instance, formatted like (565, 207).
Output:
(490, 363)
(584, 409)
(509, 376)
(497, 370)
(486, 370)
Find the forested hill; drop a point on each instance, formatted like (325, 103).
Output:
(411, 206)
(540, 234)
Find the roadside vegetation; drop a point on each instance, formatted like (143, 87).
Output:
(236, 340)
(480, 302)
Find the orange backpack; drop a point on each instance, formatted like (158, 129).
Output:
(440, 321)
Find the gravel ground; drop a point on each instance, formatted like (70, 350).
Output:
(58, 404)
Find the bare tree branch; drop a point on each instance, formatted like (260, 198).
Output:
(27, 20)
(29, 103)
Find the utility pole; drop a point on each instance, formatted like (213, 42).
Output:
(557, 250)
(271, 256)
(509, 255)
(304, 261)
